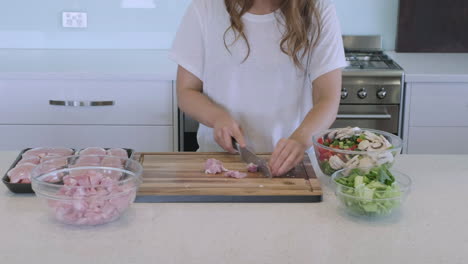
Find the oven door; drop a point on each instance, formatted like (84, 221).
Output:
(381, 117)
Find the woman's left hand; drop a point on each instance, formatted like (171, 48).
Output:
(287, 154)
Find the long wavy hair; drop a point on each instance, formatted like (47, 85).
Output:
(300, 31)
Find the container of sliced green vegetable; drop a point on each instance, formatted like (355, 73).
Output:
(371, 192)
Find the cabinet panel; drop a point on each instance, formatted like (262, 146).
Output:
(439, 105)
(438, 140)
(134, 102)
(140, 138)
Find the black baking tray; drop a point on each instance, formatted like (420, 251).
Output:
(26, 187)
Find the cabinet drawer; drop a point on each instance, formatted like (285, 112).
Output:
(438, 140)
(140, 138)
(134, 102)
(439, 104)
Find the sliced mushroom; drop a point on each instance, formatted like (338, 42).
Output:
(347, 132)
(371, 136)
(331, 135)
(377, 145)
(336, 163)
(384, 158)
(364, 145)
(385, 142)
(351, 164)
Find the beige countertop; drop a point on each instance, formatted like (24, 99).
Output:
(430, 230)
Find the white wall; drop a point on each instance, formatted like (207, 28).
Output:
(37, 23)
(369, 17)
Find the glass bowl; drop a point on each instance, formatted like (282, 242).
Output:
(87, 189)
(372, 199)
(333, 159)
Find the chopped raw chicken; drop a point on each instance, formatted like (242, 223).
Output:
(21, 173)
(252, 167)
(214, 166)
(117, 152)
(30, 160)
(93, 151)
(95, 199)
(235, 174)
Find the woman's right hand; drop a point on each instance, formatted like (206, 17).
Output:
(226, 128)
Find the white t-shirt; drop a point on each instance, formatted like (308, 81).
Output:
(267, 94)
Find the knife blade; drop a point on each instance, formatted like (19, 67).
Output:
(249, 156)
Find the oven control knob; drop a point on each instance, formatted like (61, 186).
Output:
(362, 93)
(382, 93)
(344, 93)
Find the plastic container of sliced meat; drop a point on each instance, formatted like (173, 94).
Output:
(82, 194)
(26, 187)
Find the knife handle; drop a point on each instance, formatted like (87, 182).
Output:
(234, 143)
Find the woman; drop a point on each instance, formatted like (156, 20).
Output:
(266, 72)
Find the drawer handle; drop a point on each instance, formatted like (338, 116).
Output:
(351, 116)
(81, 103)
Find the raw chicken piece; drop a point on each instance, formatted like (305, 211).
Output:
(252, 167)
(30, 160)
(93, 151)
(20, 173)
(25, 181)
(59, 152)
(117, 152)
(42, 152)
(88, 161)
(113, 162)
(214, 166)
(55, 161)
(52, 178)
(36, 152)
(235, 174)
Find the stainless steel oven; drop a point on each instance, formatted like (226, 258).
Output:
(371, 102)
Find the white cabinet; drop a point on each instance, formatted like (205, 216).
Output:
(436, 118)
(140, 138)
(136, 114)
(131, 102)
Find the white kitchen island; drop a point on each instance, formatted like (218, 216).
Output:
(431, 228)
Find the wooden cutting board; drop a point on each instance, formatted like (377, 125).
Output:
(180, 177)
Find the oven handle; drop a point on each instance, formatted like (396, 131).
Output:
(357, 116)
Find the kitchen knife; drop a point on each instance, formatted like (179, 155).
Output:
(249, 156)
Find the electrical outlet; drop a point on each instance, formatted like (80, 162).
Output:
(74, 19)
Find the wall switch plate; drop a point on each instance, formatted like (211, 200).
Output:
(74, 19)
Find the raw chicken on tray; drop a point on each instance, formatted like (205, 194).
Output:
(31, 158)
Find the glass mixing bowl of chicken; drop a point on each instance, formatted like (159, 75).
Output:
(87, 189)
(353, 147)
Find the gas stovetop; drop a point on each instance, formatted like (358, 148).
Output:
(372, 60)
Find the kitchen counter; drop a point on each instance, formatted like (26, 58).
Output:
(87, 64)
(431, 229)
(433, 67)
